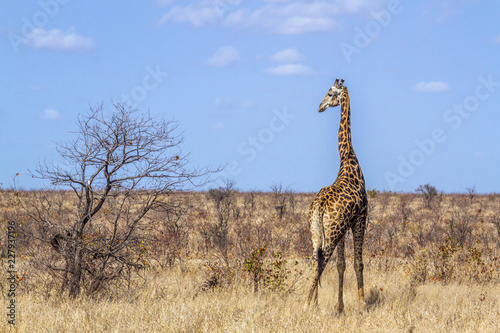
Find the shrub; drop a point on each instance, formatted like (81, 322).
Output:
(429, 192)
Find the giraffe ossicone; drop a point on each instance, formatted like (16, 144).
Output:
(339, 207)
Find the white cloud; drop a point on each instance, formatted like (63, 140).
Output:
(288, 56)
(288, 19)
(50, 114)
(360, 6)
(56, 39)
(289, 59)
(275, 16)
(290, 70)
(431, 87)
(224, 56)
(197, 15)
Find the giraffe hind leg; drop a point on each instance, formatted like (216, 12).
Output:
(323, 255)
(341, 270)
(358, 233)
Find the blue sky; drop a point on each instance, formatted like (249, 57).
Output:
(245, 79)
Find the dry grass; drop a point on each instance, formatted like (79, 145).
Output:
(165, 303)
(416, 278)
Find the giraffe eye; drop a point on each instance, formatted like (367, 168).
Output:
(330, 95)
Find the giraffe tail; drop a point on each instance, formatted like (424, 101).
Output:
(318, 236)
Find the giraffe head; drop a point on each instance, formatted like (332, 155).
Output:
(333, 97)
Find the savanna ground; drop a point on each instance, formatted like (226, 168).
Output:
(239, 262)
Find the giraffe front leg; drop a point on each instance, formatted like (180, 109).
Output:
(341, 270)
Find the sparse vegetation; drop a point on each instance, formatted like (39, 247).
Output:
(429, 192)
(444, 257)
(118, 174)
(372, 193)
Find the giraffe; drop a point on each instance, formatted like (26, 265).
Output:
(339, 207)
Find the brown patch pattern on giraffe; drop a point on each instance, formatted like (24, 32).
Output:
(339, 207)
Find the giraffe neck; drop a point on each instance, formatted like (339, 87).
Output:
(346, 150)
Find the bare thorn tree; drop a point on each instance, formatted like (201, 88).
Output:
(429, 192)
(223, 199)
(280, 198)
(471, 191)
(120, 170)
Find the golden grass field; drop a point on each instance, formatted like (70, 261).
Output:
(427, 269)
